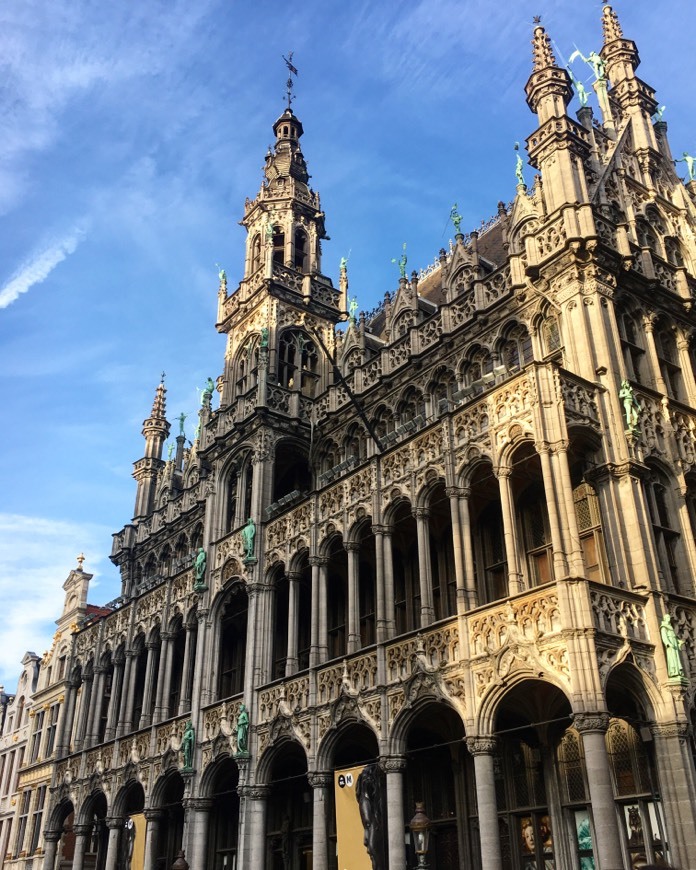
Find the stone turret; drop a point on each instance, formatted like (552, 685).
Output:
(147, 469)
(559, 145)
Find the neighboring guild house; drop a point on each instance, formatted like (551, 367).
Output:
(451, 544)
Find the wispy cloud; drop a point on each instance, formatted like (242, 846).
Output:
(36, 554)
(39, 266)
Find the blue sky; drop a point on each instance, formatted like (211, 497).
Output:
(130, 134)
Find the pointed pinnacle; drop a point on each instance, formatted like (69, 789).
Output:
(610, 25)
(159, 406)
(542, 53)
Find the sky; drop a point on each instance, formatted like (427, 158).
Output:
(130, 135)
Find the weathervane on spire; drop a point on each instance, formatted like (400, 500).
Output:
(536, 19)
(292, 71)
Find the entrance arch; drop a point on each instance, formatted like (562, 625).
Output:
(289, 810)
(223, 830)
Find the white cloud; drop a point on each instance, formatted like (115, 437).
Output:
(36, 555)
(38, 267)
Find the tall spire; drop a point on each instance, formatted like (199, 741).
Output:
(611, 26)
(146, 470)
(542, 52)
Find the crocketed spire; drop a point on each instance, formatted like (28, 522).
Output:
(542, 53)
(610, 25)
(159, 406)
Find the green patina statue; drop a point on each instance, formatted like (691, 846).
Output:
(401, 262)
(182, 419)
(519, 164)
(170, 450)
(594, 60)
(632, 407)
(672, 645)
(199, 565)
(249, 538)
(580, 88)
(243, 730)
(207, 392)
(353, 309)
(456, 219)
(690, 164)
(188, 742)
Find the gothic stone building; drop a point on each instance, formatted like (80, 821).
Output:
(474, 550)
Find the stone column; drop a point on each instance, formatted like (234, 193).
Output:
(146, 715)
(687, 370)
(424, 569)
(321, 782)
(394, 767)
(114, 826)
(51, 840)
(483, 749)
(390, 616)
(353, 626)
(92, 735)
(314, 562)
(184, 693)
(655, 370)
(82, 834)
(252, 829)
(515, 583)
(593, 728)
(576, 563)
(560, 566)
(164, 678)
(381, 617)
(84, 709)
(457, 548)
(678, 788)
(323, 611)
(153, 818)
(114, 701)
(198, 810)
(469, 571)
(293, 615)
(65, 725)
(125, 715)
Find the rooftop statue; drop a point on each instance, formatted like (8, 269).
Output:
(182, 418)
(222, 275)
(658, 114)
(170, 450)
(690, 164)
(207, 392)
(580, 88)
(401, 262)
(353, 309)
(594, 60)
(519, 164)
(456, 219)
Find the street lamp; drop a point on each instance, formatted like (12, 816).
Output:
(420, 828)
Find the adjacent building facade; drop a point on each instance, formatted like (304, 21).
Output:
(455, 540)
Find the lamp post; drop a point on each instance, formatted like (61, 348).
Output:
(420, 828)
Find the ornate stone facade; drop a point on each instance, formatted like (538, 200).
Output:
(462, 545)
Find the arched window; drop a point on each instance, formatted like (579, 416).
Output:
(536, 535)
(355, 445)
(551, 335)
(590, 528)
(668, 360)
(248, 366)
(673, 251)
(298, 358)
(255, 253)
(633, 348)
(664, 527)
(278, 246)
(411, 407)
(516, 350)
(231, 518)
(233, 635)
(301, 250)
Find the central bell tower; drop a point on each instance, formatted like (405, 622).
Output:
(284, 303)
